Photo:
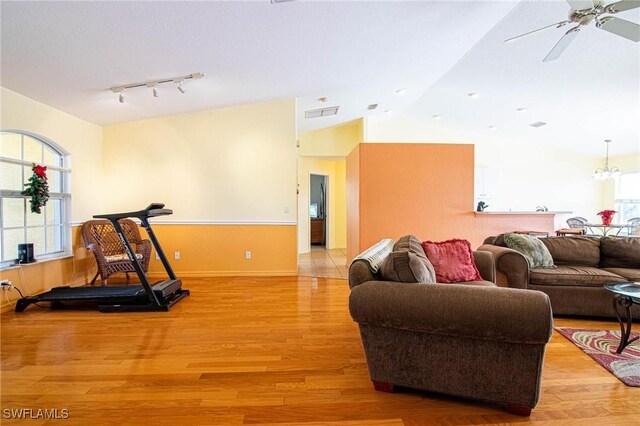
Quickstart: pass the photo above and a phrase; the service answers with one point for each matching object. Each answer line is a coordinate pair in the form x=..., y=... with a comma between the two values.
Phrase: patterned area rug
x=601, y=346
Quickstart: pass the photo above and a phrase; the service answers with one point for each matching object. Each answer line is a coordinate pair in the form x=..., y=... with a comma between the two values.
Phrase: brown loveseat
x=473, y=340
x=583, y=266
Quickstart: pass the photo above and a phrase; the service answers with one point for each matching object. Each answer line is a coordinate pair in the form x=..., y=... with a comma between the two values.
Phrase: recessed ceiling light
x=538, y=124
x=473, y=95
x=493, y=127
x=372, y=106
x=521, y=109
x=388, y=111
x=437, y=117
x=323, y=99
x=401, y=91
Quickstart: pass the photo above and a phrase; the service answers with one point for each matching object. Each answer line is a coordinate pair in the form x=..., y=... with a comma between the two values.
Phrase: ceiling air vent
x=538, y=124
x=372, y=106
x=322, y=112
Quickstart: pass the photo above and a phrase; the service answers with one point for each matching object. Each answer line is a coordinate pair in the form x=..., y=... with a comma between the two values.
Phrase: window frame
x=618, y=201
x=64, y=168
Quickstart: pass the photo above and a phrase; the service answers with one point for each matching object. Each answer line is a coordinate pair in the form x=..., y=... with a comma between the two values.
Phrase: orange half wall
x=420, y=189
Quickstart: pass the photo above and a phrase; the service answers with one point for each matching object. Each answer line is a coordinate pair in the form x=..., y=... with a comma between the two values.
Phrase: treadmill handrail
x=152, y=210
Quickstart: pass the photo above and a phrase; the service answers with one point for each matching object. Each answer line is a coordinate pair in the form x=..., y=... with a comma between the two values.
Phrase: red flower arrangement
x=607, y=216
x=37, y=188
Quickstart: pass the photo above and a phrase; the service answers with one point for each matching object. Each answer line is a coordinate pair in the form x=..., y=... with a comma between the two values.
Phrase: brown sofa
x=473, y=340
x=583, y=265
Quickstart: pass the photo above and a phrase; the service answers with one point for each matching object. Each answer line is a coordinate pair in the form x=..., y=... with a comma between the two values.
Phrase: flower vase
x=607, y=220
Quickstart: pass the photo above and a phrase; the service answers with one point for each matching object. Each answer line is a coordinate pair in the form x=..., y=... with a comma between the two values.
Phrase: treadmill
x=145, y=297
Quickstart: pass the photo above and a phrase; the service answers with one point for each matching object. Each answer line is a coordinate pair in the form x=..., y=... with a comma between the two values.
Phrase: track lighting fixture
x=153, y=85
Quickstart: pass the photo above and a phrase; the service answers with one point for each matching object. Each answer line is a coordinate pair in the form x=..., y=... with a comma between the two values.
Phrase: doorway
x=318, y=217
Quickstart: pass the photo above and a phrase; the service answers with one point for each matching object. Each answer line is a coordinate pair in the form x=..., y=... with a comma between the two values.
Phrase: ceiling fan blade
x=562, y=44
x=557, y=25
x=580, y=4
x=621, y=6
x=622, y=27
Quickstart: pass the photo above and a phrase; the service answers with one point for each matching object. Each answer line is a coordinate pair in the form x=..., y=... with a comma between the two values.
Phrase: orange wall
x=219, y=250
x=205, y=250
x=420, y=189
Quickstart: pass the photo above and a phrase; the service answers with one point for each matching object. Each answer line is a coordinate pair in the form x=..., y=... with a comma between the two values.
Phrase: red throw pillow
x=452, y=260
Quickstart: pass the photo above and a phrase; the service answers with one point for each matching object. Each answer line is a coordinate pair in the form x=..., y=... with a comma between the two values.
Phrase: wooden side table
x=317, y=231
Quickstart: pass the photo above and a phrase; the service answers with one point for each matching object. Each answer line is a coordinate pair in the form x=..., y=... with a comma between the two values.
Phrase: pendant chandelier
x=605, y=172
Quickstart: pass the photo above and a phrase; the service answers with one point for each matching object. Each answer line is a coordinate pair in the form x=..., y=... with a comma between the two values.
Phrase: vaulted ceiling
x=68, y=54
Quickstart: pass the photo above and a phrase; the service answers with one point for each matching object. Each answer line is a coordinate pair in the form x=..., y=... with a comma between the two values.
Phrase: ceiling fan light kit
x=584, y=12
x=153, y=85
x=605, y=172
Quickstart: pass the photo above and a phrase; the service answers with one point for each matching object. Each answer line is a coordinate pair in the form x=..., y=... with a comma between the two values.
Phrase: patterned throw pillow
x=452, y=260
x=536, y=253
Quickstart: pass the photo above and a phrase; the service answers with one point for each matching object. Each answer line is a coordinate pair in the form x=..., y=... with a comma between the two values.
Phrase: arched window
x=49, y=231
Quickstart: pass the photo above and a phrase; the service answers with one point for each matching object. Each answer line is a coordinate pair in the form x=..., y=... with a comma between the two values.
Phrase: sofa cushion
x=581, y=276
x=407, y=267
x=619, y=252
x=413, y=267
x=452, y=261
x=631, y=274
x=531, y=248
x=582, y=251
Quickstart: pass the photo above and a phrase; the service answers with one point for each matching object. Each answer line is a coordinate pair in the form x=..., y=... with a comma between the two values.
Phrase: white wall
x=529, y=175
x=83, y=140
x=234, y=164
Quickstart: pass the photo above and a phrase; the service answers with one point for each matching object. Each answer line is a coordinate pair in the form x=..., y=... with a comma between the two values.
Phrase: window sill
x=50, y=259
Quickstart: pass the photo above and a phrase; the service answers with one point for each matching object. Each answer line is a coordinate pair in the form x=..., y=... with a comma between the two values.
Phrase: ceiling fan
x=584, y=12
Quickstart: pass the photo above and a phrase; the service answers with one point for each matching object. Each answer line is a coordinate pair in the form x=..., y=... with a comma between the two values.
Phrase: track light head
x=154, y=88
x=121, y=97
x=181, y=87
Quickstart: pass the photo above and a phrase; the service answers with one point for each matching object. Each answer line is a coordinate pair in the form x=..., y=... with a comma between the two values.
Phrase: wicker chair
x=101, y=239
x=579, y=223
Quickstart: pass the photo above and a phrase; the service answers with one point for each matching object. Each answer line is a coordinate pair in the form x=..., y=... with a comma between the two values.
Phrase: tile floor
x=323, y=263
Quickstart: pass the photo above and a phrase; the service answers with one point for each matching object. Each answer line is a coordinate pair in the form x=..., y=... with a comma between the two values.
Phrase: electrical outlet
x=157, y=256
x=247, y=254
x=176, y=255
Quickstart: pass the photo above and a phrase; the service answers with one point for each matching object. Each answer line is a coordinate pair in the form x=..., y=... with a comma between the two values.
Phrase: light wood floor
x=258, y=351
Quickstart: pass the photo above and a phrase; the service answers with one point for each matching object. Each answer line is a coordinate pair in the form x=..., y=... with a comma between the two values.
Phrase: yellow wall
x=80, y=138
x=229, y=175
x=232, y=164
x=332, y=141
x=324, y=152
x=336, y=201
